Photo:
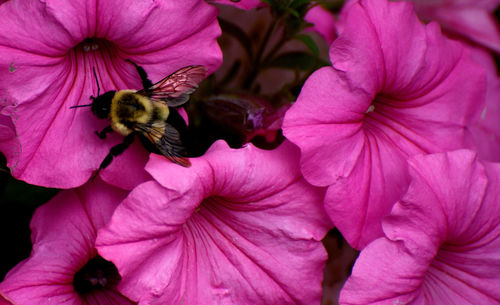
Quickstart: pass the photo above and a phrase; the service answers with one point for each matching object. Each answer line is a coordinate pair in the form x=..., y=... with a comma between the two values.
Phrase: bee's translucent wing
x=166, y=139
x=175, y=89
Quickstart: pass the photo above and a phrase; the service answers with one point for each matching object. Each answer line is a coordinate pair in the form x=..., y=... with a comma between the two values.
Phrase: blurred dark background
x=18, y=201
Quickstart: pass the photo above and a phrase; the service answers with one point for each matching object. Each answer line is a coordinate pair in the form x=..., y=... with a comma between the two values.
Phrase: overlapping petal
x=469, y=19
x=484, y=132
x=323, y=23
x=238, y=227
x=4, y=301
x=396, y=88
x=63, y=235
x=9, y=145
x=6, y=128
x=441, y=240
x=47, y=52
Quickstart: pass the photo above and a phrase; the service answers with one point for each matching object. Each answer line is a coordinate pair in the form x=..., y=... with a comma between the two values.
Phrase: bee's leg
x=146, y=83
x=116, y=151
x=102, y=133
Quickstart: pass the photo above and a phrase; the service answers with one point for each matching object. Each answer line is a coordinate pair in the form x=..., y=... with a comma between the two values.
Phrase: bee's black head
x=101, y=105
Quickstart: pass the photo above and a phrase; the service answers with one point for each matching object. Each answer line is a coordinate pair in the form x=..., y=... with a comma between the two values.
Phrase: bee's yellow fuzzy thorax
x=127, y=108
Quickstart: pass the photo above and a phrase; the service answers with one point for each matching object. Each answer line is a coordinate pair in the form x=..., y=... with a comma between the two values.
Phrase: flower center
x=92, y=44
x=375, y=114
x=98, y=273
x=100, y=55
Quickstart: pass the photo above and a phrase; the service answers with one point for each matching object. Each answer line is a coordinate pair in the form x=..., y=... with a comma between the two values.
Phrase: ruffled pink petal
x=473, y=20
x=490, y=5
x=486, y=4
x=323, y=23
x=442, y=239
x=46, y=74
x=63, y=235
x=326, y=127
x=484, y=132
x=396, y=88
x=238, y=226
x=243, y=4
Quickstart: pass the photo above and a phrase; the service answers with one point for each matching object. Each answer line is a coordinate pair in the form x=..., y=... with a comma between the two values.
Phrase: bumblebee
x=148, y=113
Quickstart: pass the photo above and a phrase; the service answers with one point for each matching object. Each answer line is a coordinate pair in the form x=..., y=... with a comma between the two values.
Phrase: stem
x=229, y=76
x=257, y=60
x=275, y=49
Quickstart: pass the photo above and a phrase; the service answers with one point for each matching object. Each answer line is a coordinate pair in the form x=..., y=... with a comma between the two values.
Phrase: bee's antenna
x=77, y=106
x=98, y=88
x=98, y=91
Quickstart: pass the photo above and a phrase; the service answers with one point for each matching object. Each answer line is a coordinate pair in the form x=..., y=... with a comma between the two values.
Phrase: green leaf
x=294, y=61
x=294, y=12
x=309, y=42
x=299, y=3
x=293, y=23
x=235, y=31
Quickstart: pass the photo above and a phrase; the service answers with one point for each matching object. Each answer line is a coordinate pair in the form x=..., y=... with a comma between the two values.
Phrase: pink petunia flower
x=442, y=240
x=64, y=266
x=47, y=52
x=238, y=227
x=470, y=19
x=396, y=88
